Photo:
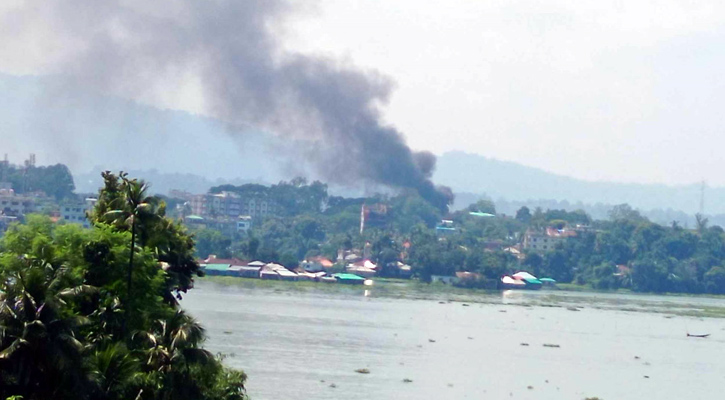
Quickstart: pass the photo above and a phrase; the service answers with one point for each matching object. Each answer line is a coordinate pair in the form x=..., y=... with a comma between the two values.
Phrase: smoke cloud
x=227, y=53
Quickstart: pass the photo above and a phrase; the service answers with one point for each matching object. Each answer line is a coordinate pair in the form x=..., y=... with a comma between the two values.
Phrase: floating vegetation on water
x=362, y=371
x=406, y=380
x=432, y=340
x=228, y=332
x=530, y=387
x=524, y=344
x=551, y=345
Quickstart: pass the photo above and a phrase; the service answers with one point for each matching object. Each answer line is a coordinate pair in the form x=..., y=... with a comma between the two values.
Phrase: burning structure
x=373, y=215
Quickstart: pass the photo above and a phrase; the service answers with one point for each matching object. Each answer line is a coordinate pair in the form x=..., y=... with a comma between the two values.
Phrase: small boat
x=700, y=336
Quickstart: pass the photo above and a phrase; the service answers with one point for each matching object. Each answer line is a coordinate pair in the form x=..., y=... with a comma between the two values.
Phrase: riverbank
x=572, y=297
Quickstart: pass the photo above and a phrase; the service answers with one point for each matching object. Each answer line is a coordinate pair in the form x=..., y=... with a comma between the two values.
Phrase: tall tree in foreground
x=133, y=209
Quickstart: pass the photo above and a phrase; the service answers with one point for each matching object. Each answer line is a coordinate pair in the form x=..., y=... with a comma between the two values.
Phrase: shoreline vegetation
x=568, y=296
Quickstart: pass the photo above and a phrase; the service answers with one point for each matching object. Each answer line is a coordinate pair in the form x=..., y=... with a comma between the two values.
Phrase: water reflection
x=511, y=296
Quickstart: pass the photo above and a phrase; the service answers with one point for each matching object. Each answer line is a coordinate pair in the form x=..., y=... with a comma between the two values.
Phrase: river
x=308, y=346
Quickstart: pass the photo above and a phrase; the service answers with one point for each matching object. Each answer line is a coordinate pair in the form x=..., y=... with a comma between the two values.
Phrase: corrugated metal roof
x=286, y=272
x=349, y=277
x=217, y=267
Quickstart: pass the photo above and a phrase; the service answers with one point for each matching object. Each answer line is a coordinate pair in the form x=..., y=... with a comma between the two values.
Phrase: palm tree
x=40, y=354
x=114, y=372
x=133, y=209
x=171, y=349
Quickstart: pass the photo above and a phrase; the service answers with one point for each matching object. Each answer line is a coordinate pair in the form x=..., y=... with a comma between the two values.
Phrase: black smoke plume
x=141, y=49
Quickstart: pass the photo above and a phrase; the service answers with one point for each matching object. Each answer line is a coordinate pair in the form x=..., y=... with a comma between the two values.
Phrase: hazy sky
x=622, y=91
x=614, y=90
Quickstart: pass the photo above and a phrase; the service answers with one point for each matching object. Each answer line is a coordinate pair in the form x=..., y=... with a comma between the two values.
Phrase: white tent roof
x=523, y=275
x=511, y=281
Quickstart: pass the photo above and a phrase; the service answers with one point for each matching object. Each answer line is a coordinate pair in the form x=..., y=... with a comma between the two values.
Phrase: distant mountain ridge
x=159, y=182
x=476, y=174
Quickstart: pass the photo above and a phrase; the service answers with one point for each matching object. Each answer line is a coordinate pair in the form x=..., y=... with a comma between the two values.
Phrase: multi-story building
x=231, y=205
x=547, y=239
x=15, y=205
x=76, y=212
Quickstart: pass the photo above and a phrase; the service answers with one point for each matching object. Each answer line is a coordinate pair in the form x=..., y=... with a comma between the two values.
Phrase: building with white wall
x=76, y=212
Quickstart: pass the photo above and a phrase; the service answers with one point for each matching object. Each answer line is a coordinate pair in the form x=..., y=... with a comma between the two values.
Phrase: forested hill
x=471, y=173
x=54, y=180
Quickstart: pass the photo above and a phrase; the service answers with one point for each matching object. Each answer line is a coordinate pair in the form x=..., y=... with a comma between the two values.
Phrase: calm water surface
x=299, y=345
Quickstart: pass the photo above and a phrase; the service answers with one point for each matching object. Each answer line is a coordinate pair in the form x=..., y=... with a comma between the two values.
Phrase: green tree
x=715, y=280
x=625, y=212
x=211, y=241
x=484, y=206
x=523, y=214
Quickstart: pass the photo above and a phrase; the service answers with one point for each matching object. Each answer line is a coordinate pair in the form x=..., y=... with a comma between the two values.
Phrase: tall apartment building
x=231, y=205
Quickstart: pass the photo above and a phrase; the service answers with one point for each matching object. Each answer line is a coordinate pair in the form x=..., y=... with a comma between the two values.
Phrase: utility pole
x=702, y=198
